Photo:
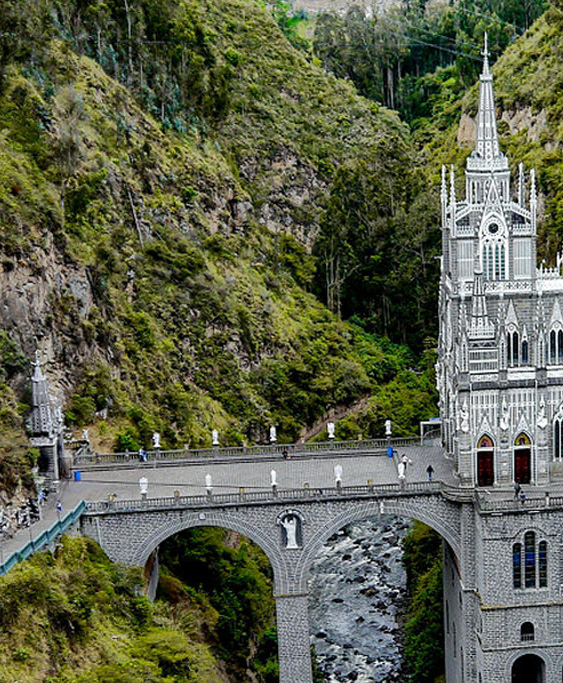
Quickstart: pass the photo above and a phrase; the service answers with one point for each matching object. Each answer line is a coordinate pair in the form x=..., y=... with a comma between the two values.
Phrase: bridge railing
x=44, y=539
x=316, y=448
x=264, y=496
x=533, y=501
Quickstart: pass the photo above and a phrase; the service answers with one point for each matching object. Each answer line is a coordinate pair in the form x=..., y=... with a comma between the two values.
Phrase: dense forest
x=217, y=216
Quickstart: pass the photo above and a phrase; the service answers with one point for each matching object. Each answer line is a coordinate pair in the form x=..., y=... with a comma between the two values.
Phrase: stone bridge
x=316, y=492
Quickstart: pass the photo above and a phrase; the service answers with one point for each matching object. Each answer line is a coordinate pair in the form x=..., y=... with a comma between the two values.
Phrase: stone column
x=294, y=649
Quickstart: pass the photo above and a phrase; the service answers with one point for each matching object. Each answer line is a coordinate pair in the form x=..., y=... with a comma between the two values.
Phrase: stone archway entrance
x=528, y=669
x=485, y=462
x=522, y=459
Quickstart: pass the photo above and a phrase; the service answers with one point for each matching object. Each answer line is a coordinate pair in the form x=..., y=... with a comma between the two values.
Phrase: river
x=357, y=598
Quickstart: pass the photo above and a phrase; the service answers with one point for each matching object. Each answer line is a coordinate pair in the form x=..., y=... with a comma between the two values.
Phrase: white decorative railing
x=266, y=496
x=301, y=450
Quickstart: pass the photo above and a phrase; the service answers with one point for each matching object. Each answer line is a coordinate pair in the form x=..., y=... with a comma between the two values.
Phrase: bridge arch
x=441, y=515
x=268, y=542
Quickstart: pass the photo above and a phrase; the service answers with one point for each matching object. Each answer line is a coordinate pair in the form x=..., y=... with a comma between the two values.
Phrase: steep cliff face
x=158, y=205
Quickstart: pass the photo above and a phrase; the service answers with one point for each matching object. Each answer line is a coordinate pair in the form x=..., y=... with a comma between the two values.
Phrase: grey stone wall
x=294, y=650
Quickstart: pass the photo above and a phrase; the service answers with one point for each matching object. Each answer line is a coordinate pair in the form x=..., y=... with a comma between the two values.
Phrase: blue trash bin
x=77, y=475
x=390, y=451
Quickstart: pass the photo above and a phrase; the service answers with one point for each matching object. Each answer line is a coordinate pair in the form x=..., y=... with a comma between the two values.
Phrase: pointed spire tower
x=487, y=163
x=46, y=427
x=42, y=423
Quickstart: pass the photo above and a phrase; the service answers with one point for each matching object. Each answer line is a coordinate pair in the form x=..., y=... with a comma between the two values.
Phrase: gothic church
x=500, y=365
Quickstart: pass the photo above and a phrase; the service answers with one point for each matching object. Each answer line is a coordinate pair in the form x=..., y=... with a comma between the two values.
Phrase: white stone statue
x=156, y=440
x=86, y=436
x=215, y=437
x=542, y=419
x=330, y=430
x=402, y=469
x=289, y=523
x=387, y=427
x=338, y=473
x=505, y=416
x=464, y=414
x=273, y=435
x=273, y=478
x=208, y=483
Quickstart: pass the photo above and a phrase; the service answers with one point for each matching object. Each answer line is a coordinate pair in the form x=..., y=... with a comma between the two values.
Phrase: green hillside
x=162, y=178
x=90, y=625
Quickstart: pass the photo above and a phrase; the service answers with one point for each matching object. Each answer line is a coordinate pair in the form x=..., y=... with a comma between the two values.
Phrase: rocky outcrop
x=287, y=192
x=525, y=119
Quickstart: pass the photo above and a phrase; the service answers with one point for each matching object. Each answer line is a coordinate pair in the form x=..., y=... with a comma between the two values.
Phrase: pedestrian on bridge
x=430, y=472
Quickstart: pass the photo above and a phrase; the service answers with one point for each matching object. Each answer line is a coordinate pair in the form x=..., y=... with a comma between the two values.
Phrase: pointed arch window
x=513, y=347
x=556, y=345
x=542, y=563
x=529, y=559
x=517, y=565
x=493, y=258
x=525, y=352
x=558, y=435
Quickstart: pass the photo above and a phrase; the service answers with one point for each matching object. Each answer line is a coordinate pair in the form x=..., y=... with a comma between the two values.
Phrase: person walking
x=430, y=472
x=517, y=489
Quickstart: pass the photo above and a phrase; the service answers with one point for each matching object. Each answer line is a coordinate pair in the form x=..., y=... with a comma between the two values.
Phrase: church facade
x=500, y=366
x=500, y=380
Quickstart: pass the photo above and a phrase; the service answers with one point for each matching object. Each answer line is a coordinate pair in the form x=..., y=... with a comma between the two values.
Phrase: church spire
x=487, y=147
x=42, y=424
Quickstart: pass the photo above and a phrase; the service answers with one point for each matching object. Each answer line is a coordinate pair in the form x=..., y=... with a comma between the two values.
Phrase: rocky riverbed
x=357, y=588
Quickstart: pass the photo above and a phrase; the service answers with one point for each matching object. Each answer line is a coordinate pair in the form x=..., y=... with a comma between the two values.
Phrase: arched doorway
x=528, y=669
x=522, y=459
x=485, y=461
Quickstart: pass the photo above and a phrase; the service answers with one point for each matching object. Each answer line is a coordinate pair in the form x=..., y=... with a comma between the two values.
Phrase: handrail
x=264, y=496
x=275, y=450
x=44, y=539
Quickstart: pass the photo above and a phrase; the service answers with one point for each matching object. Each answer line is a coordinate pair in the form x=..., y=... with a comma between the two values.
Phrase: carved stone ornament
x=464, y=418
x=542, y=419
x=505, y=416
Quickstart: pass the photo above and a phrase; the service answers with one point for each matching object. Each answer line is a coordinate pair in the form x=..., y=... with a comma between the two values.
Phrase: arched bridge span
x=290, y=527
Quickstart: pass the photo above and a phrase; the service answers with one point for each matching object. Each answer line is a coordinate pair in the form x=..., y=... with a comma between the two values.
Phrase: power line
x=437, y=35
x=492, y=17
x=438, y=47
